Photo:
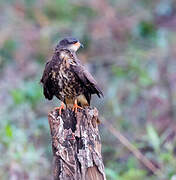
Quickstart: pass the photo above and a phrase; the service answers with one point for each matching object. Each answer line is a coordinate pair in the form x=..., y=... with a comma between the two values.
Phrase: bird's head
x=71, y=44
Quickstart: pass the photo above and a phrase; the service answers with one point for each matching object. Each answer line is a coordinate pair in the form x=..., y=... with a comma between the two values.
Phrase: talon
x=76, y=107
x=60, y=108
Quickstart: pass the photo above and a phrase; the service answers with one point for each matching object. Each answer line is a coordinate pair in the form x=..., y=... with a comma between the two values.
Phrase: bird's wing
x=87, y=79
x=45, y=73
x=46, y=81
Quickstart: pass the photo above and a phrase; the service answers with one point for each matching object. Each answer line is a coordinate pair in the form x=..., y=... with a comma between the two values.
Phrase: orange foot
x=60, y=108
x=76, y=107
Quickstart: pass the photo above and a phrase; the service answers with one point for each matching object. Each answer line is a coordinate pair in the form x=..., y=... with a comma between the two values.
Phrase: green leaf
x=145, y=79
x=33, y=92
x=166, y=157
x=131, y=162
x=18, y=96
x=9, y=131
x=147, y=29
x=111, y=174
x=120, y=72
x=133, y=174
x=153, y=137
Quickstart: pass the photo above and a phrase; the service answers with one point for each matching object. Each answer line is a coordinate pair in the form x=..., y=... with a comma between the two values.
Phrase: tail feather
x=47, y=93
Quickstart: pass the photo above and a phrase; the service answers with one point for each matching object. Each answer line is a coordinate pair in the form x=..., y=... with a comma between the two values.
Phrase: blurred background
x=130, y=48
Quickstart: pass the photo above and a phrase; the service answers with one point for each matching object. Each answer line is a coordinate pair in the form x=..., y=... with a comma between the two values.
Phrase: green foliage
x=7, y=51
x=84, y=11
x=30, y=92
x=134, y=70
x=6, y=134
x=18, y=96
x=111, y=174
x=63, y=10
x=166, y=157
x=127, y=52
x=132, y=163
x=133, y=174
x=147, y=29
x=59, y=9
x=9, y=131
x=153, y=137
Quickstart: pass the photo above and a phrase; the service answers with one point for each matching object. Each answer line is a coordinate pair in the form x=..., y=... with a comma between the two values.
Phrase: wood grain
x=76, y=145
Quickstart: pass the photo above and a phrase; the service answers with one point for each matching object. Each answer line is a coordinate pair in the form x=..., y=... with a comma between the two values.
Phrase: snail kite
x=67, y=79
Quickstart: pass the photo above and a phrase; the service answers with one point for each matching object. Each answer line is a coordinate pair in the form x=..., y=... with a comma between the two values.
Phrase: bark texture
x=76, y=145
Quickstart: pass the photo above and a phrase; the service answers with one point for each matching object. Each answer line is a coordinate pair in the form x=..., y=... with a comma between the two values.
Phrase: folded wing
x=46, y=81
x=90, y=84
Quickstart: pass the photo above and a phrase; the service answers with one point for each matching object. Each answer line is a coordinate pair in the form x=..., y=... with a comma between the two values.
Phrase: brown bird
x=67, y=79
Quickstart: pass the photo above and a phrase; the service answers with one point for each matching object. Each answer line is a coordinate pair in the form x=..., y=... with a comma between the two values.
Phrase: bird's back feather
x=89, y=83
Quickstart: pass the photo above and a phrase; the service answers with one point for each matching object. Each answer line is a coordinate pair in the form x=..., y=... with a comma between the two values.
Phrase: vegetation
x=130, y=49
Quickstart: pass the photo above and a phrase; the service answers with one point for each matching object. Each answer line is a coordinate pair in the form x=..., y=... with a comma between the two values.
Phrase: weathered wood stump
x=76, y=145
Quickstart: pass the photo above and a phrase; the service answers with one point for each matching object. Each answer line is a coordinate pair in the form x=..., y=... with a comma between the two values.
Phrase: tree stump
x=76, y=145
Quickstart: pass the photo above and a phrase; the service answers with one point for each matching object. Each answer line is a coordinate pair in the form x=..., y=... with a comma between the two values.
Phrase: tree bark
x=76, y=145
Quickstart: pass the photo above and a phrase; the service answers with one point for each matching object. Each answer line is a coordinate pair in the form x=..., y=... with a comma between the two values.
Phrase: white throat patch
x=74, y=47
